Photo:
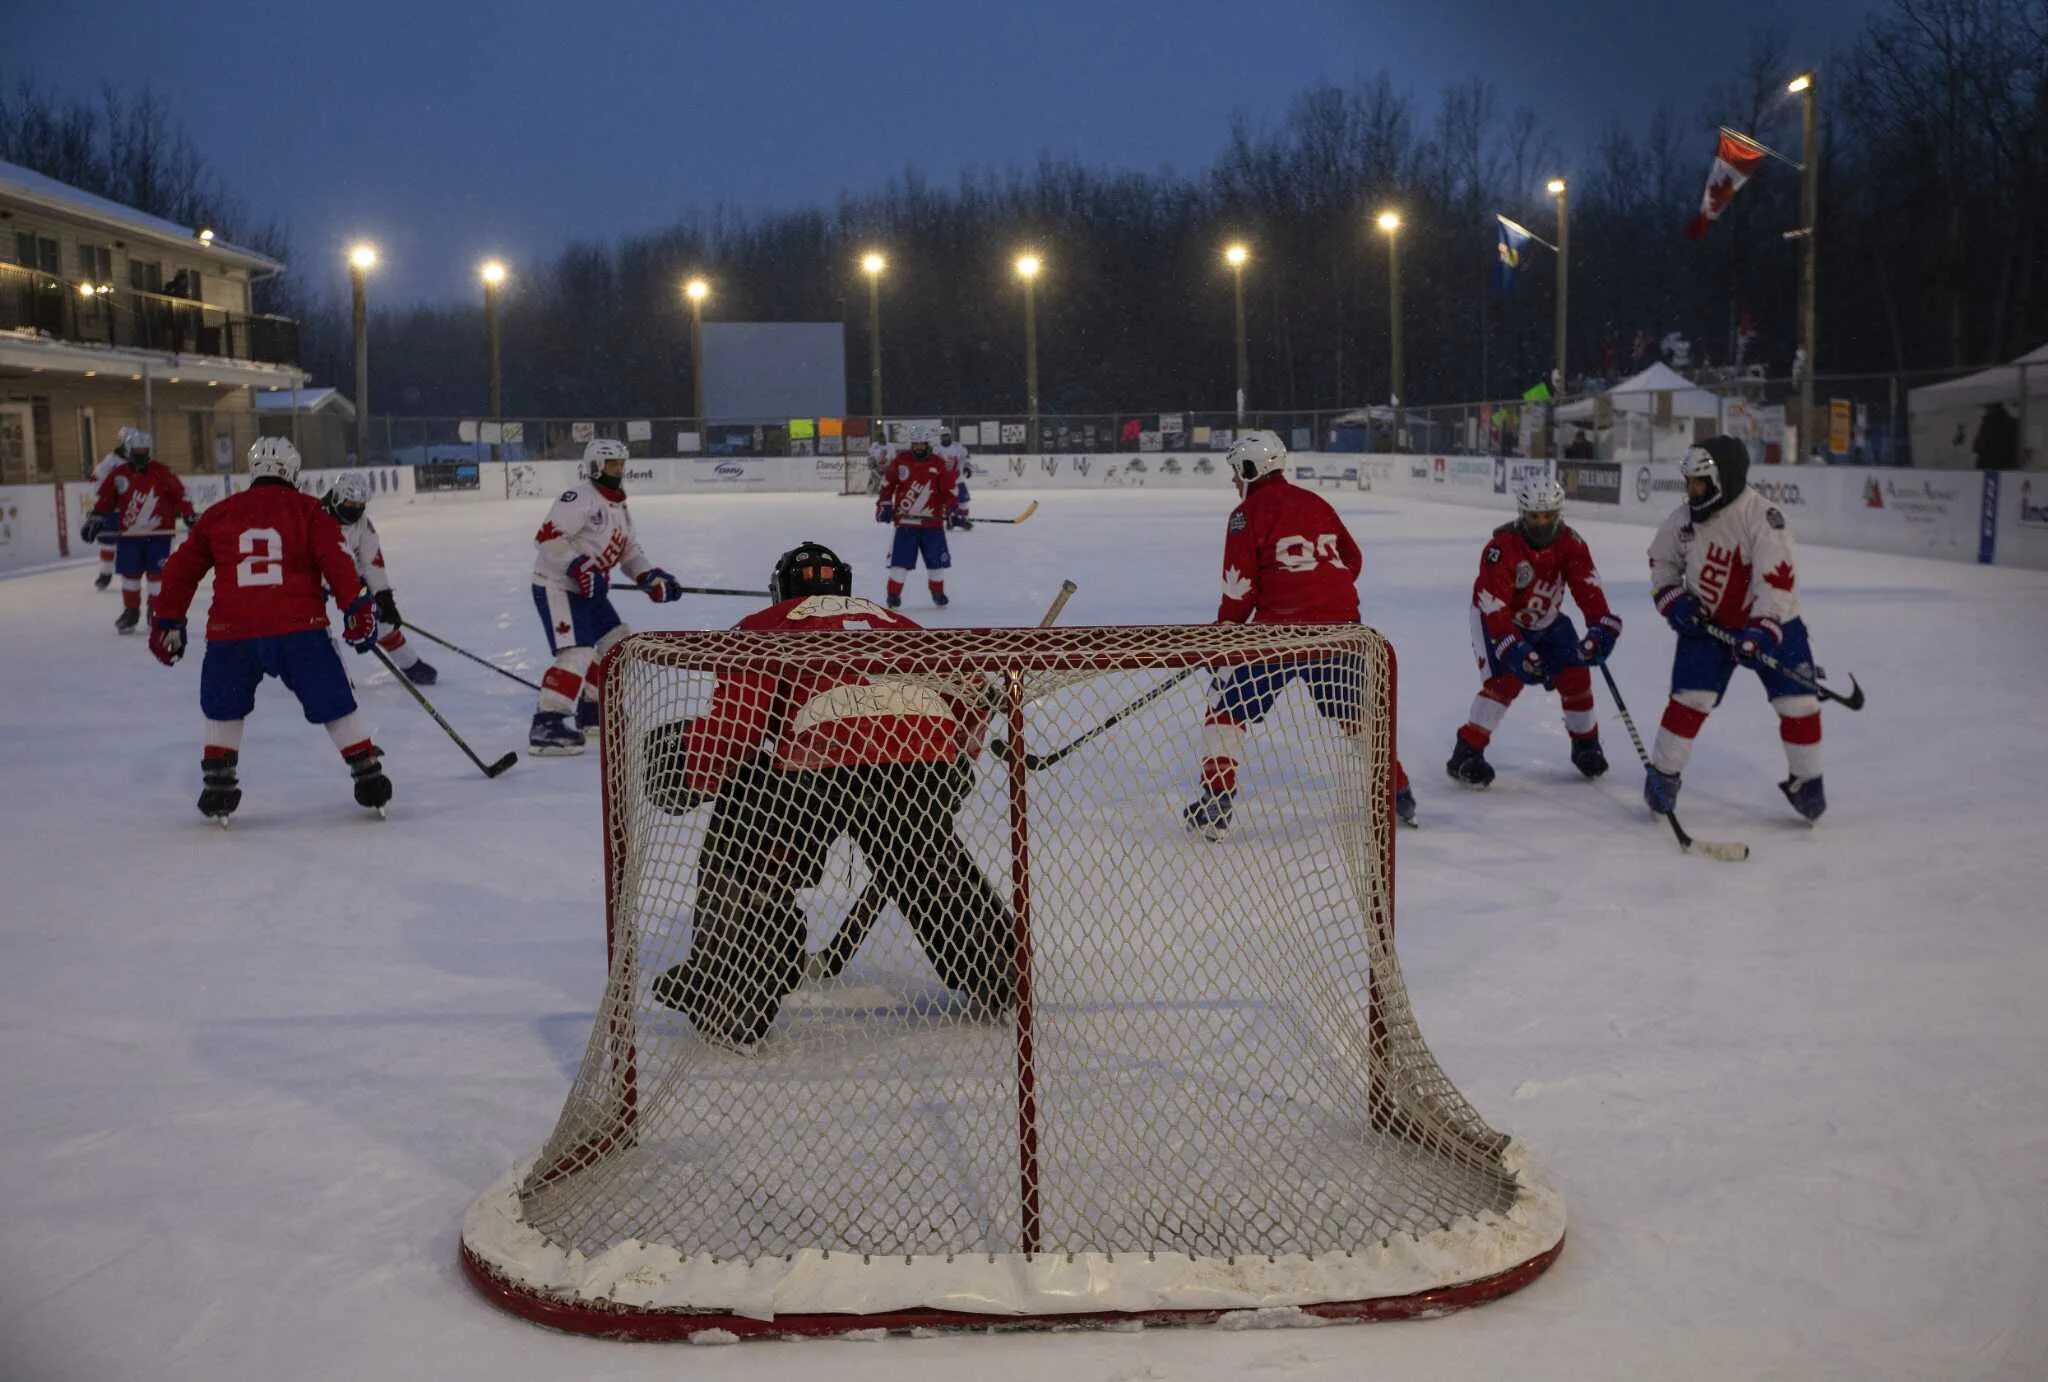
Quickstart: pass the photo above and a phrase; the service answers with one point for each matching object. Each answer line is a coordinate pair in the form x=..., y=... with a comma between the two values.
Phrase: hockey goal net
x=1000, y=1039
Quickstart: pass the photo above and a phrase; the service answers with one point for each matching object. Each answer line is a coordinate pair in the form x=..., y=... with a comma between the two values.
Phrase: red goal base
x=621, y=1322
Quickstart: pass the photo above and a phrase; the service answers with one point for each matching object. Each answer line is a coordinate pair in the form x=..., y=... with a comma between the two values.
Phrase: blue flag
x=1508, y=246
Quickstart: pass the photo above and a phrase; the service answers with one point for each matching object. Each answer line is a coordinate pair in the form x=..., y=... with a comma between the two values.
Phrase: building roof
x=37, y=189
x=307, y=401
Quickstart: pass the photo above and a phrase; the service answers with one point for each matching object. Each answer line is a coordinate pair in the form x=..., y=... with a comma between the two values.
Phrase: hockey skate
x=1468, y=764
x=221, y=792
x=588, y=715
x=1806, y=796
x=679, y=987
x=552, y=736
x=373, y=789
x=102, y=581
x=1404, y=807
x=1209, y=814
x=939, y=599
x=1660, y=791
x=127, y=620
x=1588, y=757
x=421, y=673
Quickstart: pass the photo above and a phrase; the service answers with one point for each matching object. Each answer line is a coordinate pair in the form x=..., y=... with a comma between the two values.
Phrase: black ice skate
x=1587, y=756
x=127, y=621
x=552, y=736
x=1208, y=815
x=1468, y=764
x=373, y=789
x=1806, y=796
x=222, y=791
x=421, y=673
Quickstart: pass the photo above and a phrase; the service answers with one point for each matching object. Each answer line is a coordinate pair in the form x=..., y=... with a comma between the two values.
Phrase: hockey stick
x=1029, y=510
x=1726, y=852
x=480, y=661
x=1852, y=701
x=826, y=964
x=1036, y=761
x=692, y=590
x=490, y=770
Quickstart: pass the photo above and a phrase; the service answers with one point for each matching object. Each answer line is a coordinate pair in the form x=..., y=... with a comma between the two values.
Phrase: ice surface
x=1797, y=1108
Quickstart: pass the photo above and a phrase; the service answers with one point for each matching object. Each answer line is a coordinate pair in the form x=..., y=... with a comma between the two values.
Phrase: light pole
x=1028, y=267
x=492, y=272
x=362, y=257
x=1806, y=86
x=1389, y=222
x=1560, y=189
x=696, y=290
x=1235, y=255
x=872, y=264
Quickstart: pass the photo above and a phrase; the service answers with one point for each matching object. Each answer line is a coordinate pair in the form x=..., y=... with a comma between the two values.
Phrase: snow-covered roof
x=2000, y=383
x=308, y=401
x=38, y=189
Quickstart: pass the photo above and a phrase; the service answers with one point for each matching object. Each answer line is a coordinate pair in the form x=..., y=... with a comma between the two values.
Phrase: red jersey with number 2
x=269, y=547
x=1288, y=559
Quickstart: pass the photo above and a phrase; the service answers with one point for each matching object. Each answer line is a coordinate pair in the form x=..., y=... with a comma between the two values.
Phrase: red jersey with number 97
x=269, y=548
x=1288, y=559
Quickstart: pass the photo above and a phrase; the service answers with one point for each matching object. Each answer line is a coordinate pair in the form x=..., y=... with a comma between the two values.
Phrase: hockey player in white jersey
x=587, y=535
x=127, y=442
x=962, y=468
x=348, y=501
x=1724, y=557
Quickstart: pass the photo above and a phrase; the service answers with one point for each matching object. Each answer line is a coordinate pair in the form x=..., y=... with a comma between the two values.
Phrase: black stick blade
x=503, y=763
x=1854, y=700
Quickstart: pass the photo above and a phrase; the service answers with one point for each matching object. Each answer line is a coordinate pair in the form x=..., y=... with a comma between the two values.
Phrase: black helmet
x=1723, y=463
x=811, y=568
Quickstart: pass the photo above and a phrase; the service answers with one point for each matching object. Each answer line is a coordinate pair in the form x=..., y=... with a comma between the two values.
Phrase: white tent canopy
x=1999, y=384
x=1638, y=394
x=1944, y=417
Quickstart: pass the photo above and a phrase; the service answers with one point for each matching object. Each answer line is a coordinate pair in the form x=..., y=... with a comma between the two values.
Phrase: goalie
x=887, y=760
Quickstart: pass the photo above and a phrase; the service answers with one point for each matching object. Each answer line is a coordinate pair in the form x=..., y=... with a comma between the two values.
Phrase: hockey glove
x=359, y=623
x=885, y=512
x=1598, y=643
x=167, y=640
x=588, y=578
x=1763, y=636
x=1516, y=654
x=659, y=585
x=387, y=610
x=98, y=525
x=1680, y=610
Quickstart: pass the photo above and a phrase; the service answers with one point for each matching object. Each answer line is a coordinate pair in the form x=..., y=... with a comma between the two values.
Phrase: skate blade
x=552, y=752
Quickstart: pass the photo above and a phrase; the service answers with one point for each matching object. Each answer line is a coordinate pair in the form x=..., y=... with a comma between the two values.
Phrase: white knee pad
x=1702, y=701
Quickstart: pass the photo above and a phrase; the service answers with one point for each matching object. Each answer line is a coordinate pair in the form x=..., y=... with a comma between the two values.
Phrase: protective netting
x=914, y=1002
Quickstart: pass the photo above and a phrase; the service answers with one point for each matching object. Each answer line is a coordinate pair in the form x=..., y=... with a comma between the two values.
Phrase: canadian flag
x=1734, y=163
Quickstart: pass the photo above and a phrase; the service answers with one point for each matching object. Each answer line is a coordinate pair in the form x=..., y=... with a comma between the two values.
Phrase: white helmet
x=597, y=453
x=347, y=496
x=1256, y=455
x=274, y=458
x=945, y=436
x=923, y=432
x=1539, y=509
x=136, y=441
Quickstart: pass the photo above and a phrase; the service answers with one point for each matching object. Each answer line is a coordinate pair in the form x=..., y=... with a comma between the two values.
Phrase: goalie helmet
x=347, y=497
x=1539, y=510
x=811, y=568
x=600, y=453
x=1722, y=463
x=274, y=458
x=1256, y=455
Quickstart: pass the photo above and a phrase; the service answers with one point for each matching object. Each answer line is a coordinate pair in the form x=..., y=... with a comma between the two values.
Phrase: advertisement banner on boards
x=1591, y=482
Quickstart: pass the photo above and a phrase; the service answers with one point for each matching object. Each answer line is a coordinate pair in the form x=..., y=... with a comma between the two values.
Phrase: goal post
x=1084, y=1065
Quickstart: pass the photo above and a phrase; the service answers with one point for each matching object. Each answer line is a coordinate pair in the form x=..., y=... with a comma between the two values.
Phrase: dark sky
x=447, y=131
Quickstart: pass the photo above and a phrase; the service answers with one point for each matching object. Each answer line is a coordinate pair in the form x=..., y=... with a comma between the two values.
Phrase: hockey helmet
x=1255, y=456
x=1539, y=510
x=810, y=568
x=922, y=435
x=274, y=458
x=601, y=453
x=138, y=445
x=347, y=497
x=1715, y=471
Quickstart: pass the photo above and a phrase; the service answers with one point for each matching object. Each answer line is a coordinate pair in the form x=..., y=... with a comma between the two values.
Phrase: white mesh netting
x=909, y=1009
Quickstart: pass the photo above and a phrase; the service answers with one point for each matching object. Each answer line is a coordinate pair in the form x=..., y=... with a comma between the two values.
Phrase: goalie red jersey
x=1521, y=586
x=270, y=547
x=827, y=719
x=1288, y=559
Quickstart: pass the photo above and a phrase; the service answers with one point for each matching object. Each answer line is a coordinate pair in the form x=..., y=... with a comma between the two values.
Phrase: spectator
x=1581, y=447
x=1998, y=439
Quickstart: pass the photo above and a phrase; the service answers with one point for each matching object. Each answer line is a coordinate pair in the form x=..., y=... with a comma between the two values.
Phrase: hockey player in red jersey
x=1724, y=557
x=1287, y=559
x=797, y=758
x=270, y=549
x=1522, y=637
x=917, y=494
x=138, y=505
x=347, y=501
x=128, y=442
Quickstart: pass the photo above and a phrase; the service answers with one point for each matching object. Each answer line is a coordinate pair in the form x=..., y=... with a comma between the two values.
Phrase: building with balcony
x=110, y=317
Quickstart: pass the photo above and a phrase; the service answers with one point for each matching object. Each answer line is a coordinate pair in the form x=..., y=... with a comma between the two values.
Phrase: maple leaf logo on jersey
x=1235, y=584
x=1781, y=577
x=548, y=532
x=562, y=627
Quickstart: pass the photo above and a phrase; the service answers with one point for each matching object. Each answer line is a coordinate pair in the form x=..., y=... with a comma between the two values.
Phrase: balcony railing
x=65, y=309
